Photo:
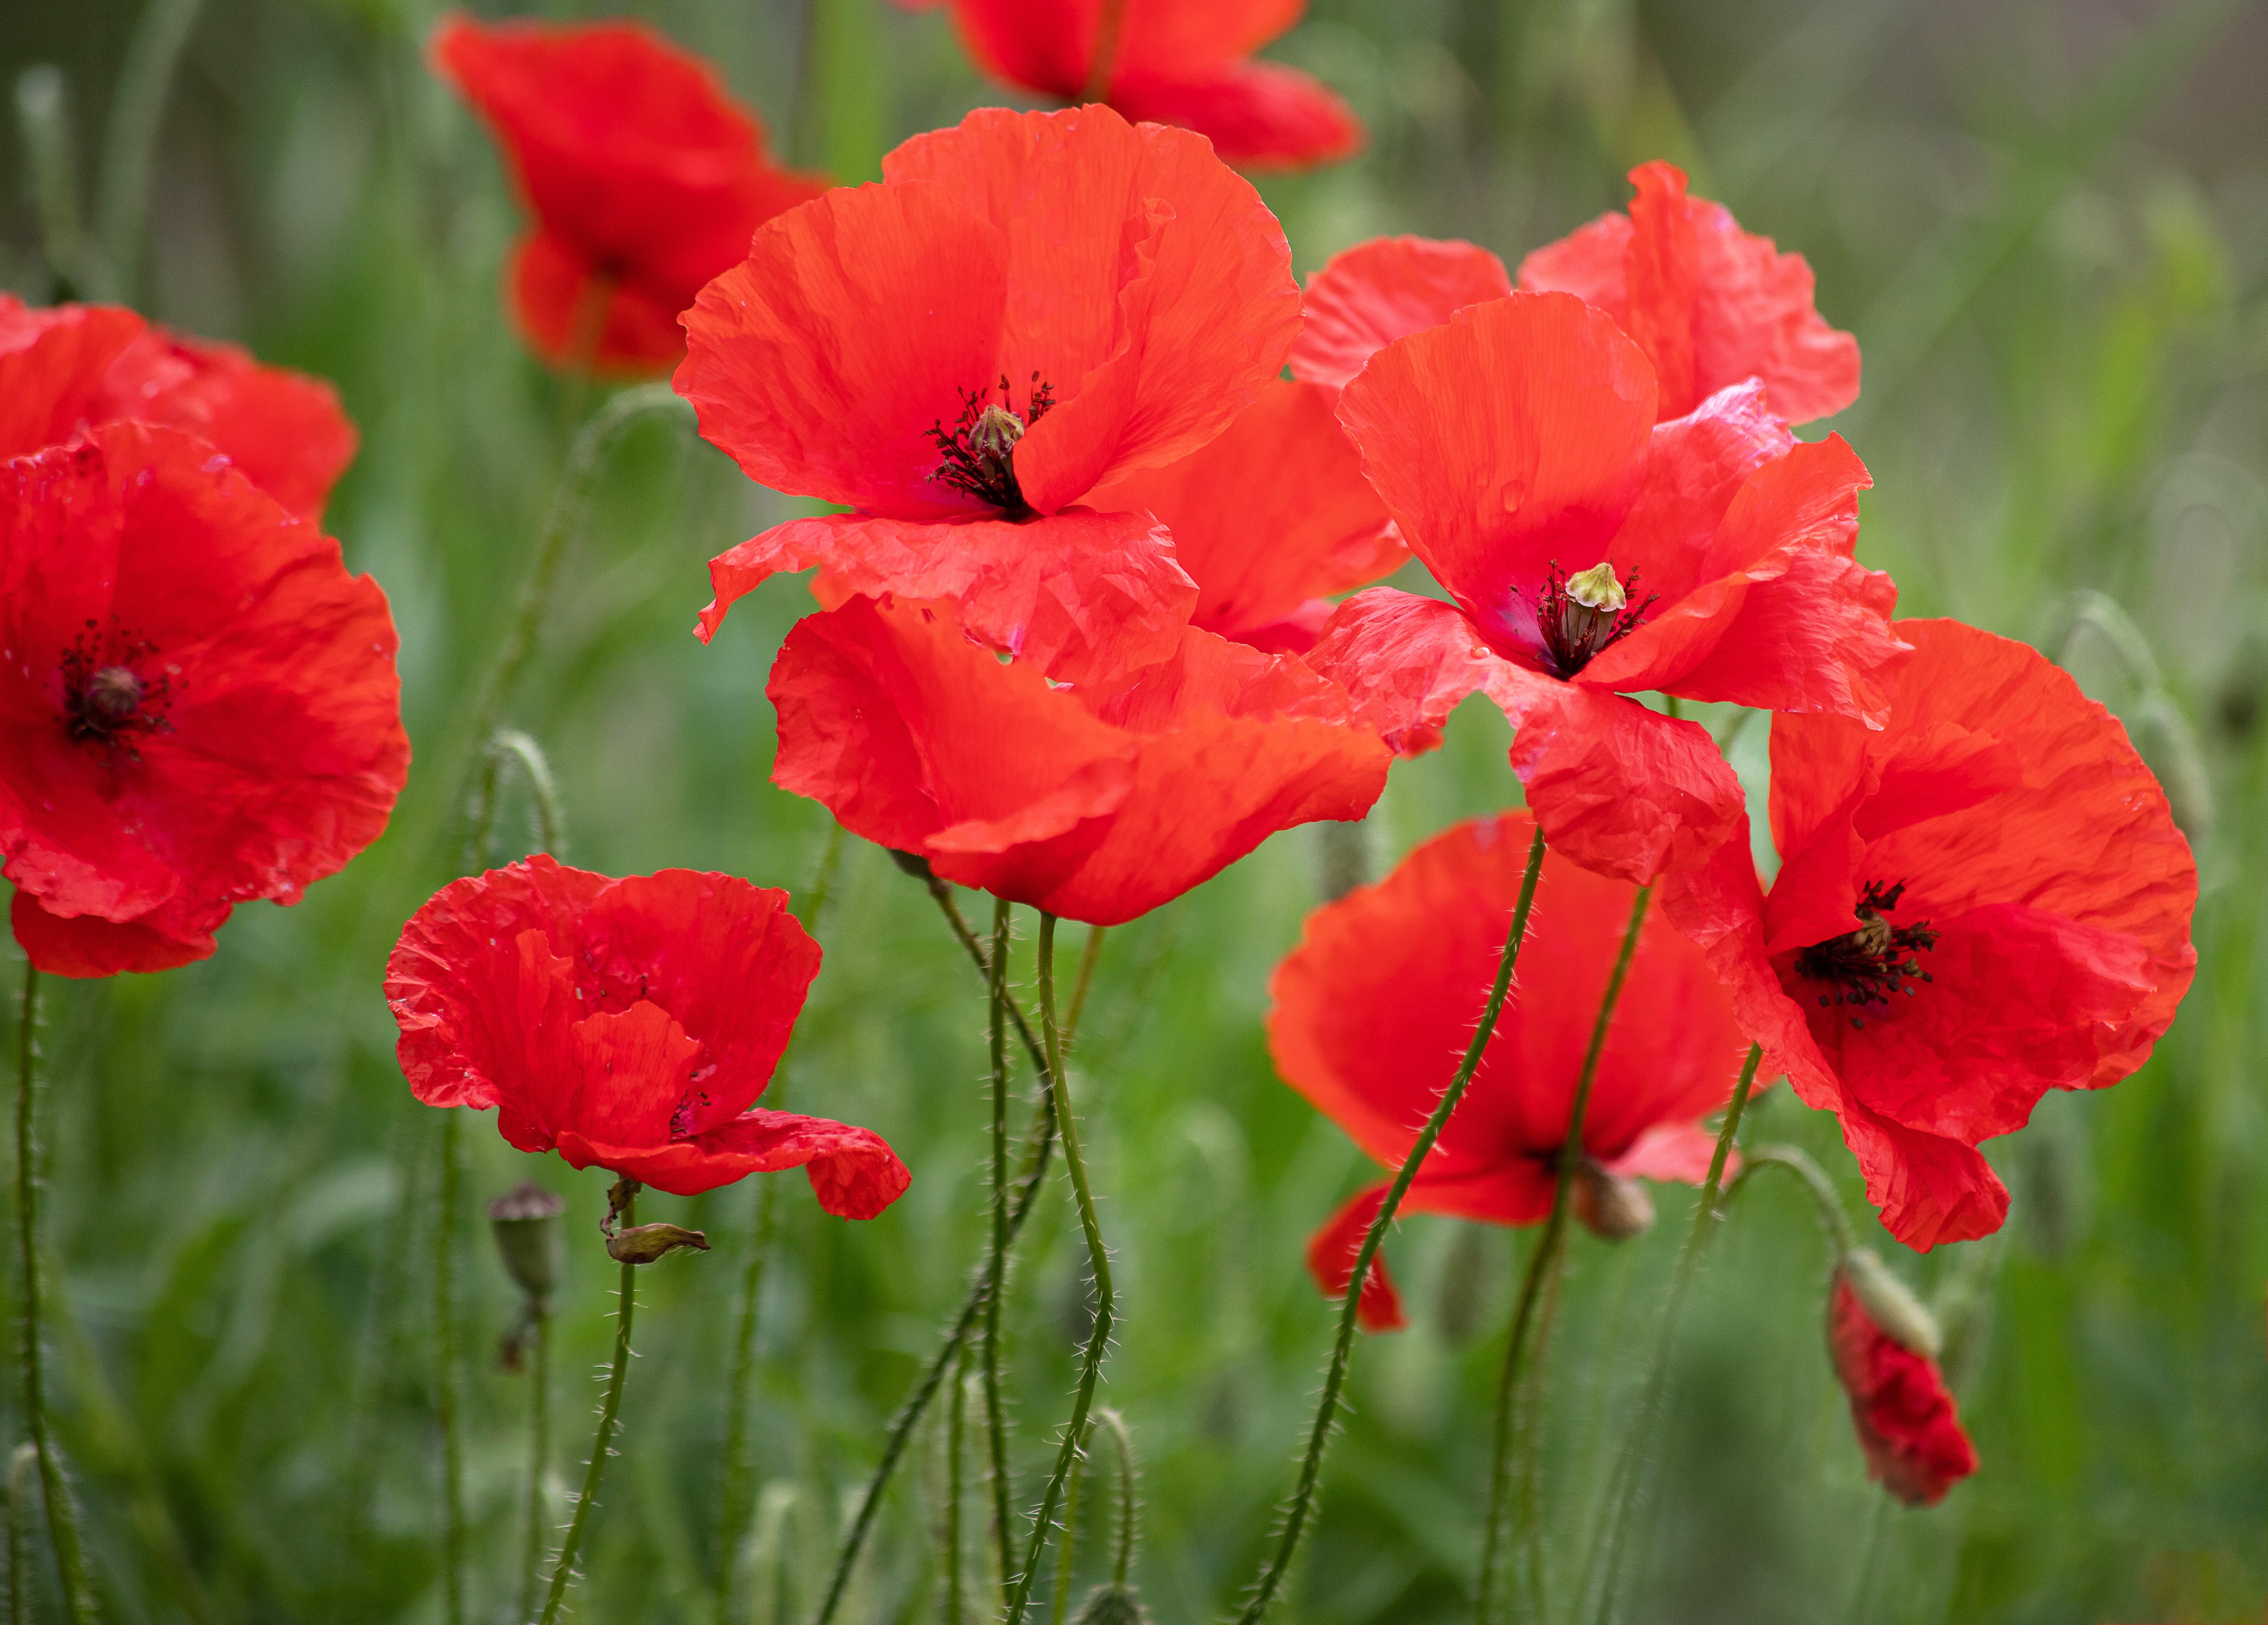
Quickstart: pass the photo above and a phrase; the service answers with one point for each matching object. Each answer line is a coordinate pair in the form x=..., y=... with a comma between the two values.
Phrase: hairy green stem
x=22, y=1465
x=1319, y=1434
x=446, y=1200
x=1088, y=958
x=509, y=747
x=539, y=1456
x=1106, y=1299
x=563, y=1570
x=1121, y=1562
x=955, y=1416
x=1550, y=1247
x=996, y=1263
x=1067, y=1549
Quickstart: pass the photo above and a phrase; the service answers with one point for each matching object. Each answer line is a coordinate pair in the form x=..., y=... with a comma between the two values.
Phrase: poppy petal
x=852, y=1172
x=87, y=945
x=1262, y=114
x=52, y=366
x=1369, y=296
x=1408, y=661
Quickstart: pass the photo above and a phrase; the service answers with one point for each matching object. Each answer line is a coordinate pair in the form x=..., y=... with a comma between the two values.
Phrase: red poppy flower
x=1907, y=1422
x=1983, y=901
x=1177, y=62
x=630, y=1024
x=1128, y=292
x=1374, y=1009
x=646, y=179
x=1271, y=518
x=1097, y=802
x=198, y=705
x=1710, y=304
x=63, y=368
x=1366, y=296
x=1592, y=554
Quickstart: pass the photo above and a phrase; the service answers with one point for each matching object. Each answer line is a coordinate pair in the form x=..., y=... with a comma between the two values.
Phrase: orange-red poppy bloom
x=1374, y=1009
x=1177, y=62
x=1097, y=801
x=1592, y=554
x=1710, y=304
x=1906, y=1420
x=630, y=1024
x=64, y=368
x=1028, y=306
x=644, y=175
x=198, y=704
x=1984, y=900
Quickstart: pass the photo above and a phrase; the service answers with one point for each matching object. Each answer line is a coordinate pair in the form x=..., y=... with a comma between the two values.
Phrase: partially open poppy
x=1028, y=306
x=1984, y=900
x=1906, y=1420
x=645, y=177
x=630, y=1024
x=1375, y=1007
x=1096, y=802
x=71, y=366
x=198, y=704
x=1176, y=62
x=1592, y=554
x=1710, y=304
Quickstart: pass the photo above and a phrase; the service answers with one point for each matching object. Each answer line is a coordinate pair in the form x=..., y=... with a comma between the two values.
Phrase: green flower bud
x=525, y=1221
x=1891, y=1304
x=1113, y=1604
x=1611, y=1208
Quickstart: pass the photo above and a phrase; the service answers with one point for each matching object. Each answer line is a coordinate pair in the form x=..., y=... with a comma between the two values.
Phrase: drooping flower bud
x=1905, y=1417
x=1113, y=1604
x=913, y=862
x=1596, y=588
x=1611, y=1208
x=647, y=1244
x=525, y=1221
x=1891, y=1304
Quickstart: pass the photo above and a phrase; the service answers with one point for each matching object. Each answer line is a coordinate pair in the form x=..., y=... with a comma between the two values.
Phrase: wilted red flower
x=1984, y=900
x=1374, y=1009
x=1096, y=802
x=1177, y=62
x=627, y=1023
x=1907, y=1422
x=1271, y=518
x=1592, y=554
x=198, y=705
x=1710, y=304
x=1030, y=306
x=646, y=179
x=64, y=368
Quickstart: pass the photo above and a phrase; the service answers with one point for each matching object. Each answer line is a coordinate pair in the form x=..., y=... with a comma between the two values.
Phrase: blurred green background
x=2047, y=220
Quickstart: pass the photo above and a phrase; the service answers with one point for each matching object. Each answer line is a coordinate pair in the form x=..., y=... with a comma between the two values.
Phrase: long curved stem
x=539, y=1456
x=1623, y=1488
x=609, y=1409
x=1106, y=1299
x=735, y=1502
x=447, y=1201
x=996, y=1263
x=137, y=112
x=1550, y=1247
x=1319, y=1434
x=63, y=1522
x=1540, y=1259
x=956, y=1411
x=1122, y=1557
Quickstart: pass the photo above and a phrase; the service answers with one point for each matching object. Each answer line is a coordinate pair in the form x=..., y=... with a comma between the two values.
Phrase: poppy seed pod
x=1891, y=1304
x=526, y=1220
x=649, y=1243
x=1612, y=1208
x=1113, y=1604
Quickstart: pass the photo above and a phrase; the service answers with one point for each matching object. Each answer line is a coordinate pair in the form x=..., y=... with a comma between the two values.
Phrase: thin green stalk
x=1624, y=1486
x=1549, y=1246
x=1121, y=1560
x=21, y=1466
x=996, y=1263
x=1795, y=1160
x=1088, y=958
x=1319, y=1434
x=1107, y=27
x=137, y=112
x=539, y=1457
x=1067, y=1549
x=737, y=1500
x=1540, y=1258
x=609, y=1409
x=1106, y=1300
x=62, y=1521
x=956, y=1413
x=511, y=745
x=822, y=882
x=447, y=1201
x=942, y=894
x=51, y=167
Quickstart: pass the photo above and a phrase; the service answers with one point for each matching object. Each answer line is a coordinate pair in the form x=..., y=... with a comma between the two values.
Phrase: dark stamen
x=105, y=697
x=1868, y=965
x=979, y=450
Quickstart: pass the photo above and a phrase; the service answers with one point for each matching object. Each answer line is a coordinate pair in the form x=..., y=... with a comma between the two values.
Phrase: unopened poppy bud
x=645, y=1244
x=1611, y=1208
x=1596, y=588
x=1890, y=1304
x=1113, y=1604
x=913, y=862
x=525, y=1221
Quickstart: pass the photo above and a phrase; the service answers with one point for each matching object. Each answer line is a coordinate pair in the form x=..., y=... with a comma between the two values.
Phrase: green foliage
x=2049, y=240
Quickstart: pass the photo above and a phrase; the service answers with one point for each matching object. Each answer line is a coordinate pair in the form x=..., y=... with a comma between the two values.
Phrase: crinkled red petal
x=1369, y=296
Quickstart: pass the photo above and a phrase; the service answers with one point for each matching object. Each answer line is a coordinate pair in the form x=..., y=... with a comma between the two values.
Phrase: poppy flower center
x=1868, y=965
x=104, y=696
x=1580, y=615
x=978, y=452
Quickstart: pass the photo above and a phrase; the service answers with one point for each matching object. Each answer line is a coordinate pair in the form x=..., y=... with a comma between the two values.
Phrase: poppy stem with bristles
x=1319, y=1435
x=539, y=1456
x=996, y=1263
x=562, y=1571
x=1544, y=1271
x=1106, y=1301
x=63, y=1522
x=445, y=1372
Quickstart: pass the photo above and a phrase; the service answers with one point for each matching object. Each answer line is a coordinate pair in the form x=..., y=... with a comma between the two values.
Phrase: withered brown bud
x=1611, y=1208
x=644, y=1244
x=527, y=1224
x=1113, y=1604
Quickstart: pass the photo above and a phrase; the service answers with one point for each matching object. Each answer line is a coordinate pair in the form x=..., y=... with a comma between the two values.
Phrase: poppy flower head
x=1984, y=900
x=644, y=175
x=1098, y=801
x=1027, y=305
x=1905, y=1417
x=630, y=1024
x=1372, y=1009
x=1711, y=306
x=198, y=705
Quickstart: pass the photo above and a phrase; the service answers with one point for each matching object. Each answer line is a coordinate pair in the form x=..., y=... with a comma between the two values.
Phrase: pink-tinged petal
x=1387, y=289
x=1333, y=1249
x=1680, y=1151
x=1261, y=115
x=1080, y=595
x=1408, y=661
